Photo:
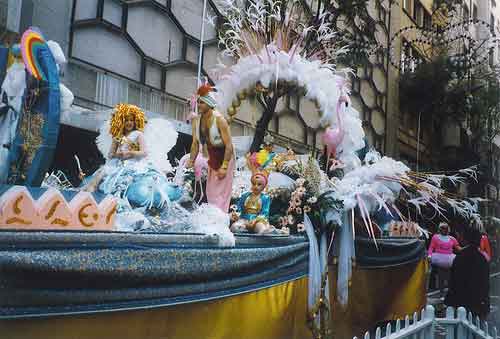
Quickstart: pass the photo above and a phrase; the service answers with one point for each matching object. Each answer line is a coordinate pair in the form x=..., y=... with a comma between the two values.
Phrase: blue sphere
x=152, y=192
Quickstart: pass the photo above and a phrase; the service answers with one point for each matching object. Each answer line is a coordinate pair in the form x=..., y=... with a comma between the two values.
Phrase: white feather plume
x=160, y=137
x=104, y=139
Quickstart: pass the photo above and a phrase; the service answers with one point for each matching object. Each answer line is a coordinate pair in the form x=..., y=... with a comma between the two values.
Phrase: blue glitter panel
x=44, y=273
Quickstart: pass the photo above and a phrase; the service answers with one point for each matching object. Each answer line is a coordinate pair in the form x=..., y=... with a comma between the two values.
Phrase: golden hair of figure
x=122, y=111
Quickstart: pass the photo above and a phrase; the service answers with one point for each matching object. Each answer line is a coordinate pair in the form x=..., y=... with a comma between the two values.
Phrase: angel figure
x=136, y=161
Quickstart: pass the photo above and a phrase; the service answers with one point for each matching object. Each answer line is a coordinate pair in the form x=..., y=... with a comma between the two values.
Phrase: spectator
x=441, y=254
x=469, y=278
x=441, y=248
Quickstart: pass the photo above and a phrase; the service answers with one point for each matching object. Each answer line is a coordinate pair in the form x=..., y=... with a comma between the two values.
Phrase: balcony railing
x=96, y=90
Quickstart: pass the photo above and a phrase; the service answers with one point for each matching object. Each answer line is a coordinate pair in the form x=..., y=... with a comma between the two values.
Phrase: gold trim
x=82, y=216
x=16, y=220
x=52, y=210
x=15, y=207
x=110, y=214
x=58, y=221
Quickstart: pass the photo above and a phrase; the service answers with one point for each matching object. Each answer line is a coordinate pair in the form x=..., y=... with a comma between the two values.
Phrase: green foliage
x=321, y=206
x=189, y=181
x=325, y=205
x=279, y=205
x=435, y=89
x=450, y=4
x=442, y=91
x=483, y=108
x=355, y=27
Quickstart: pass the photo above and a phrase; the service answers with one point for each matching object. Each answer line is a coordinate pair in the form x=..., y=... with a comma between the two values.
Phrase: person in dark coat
x=469, y=277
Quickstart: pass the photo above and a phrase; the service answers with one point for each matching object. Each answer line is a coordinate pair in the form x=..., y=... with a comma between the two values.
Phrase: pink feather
x=200, y=163
x=333, y=136
x=192, y=103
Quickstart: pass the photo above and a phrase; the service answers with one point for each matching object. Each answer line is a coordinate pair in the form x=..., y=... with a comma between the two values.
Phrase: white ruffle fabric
x=317, y=266
x=442, y=260
x=344, y=243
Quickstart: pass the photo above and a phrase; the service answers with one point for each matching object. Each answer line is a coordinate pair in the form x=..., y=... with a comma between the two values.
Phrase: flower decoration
x=307, y=196
x=301, y=228
x=297, y=206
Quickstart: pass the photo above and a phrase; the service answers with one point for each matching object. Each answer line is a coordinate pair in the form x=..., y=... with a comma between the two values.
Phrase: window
x=474, y=12
x=492, y=23
x=466, y=13
x=410, y=58
x=407, y=5
x=427, y=20
x=405, y=56
x=418, y=13
x=421, y=16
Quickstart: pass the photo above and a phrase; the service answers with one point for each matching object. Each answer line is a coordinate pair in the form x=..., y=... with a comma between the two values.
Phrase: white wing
x=104, y=139
x=160, y=136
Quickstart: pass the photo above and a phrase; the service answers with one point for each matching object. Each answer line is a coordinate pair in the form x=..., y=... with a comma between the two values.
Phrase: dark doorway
x=76, y=141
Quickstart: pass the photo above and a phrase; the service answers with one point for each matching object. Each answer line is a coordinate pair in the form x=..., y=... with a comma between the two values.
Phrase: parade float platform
x=95, y=284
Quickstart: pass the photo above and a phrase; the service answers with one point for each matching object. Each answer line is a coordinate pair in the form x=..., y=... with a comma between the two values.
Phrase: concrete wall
x=15, y=16
x=189, y=13
x=108, y=50
x=53, y=17
x=155, y=33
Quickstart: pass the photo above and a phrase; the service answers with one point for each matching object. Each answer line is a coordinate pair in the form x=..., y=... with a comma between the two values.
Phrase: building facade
x=146, y=53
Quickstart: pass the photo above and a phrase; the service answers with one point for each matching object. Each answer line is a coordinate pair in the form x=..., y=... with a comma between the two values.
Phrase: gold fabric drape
x=274, y=312
x=378, y=295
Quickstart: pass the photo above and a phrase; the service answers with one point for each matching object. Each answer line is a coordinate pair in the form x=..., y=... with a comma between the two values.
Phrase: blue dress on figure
x=251, y=211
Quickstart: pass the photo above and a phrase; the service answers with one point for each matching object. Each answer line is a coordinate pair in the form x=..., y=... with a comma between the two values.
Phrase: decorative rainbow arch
x=32, y=42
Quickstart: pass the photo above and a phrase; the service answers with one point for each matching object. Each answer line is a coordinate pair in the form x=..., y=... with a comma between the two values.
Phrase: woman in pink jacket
x=442, y=246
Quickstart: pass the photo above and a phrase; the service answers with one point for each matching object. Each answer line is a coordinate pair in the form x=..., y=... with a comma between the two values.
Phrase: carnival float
x=133, y=252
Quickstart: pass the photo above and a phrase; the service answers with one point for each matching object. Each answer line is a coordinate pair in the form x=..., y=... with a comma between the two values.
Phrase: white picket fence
x=457, y=324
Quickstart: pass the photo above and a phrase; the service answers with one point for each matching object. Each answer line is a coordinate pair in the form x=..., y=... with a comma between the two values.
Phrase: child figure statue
x=252, y=210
